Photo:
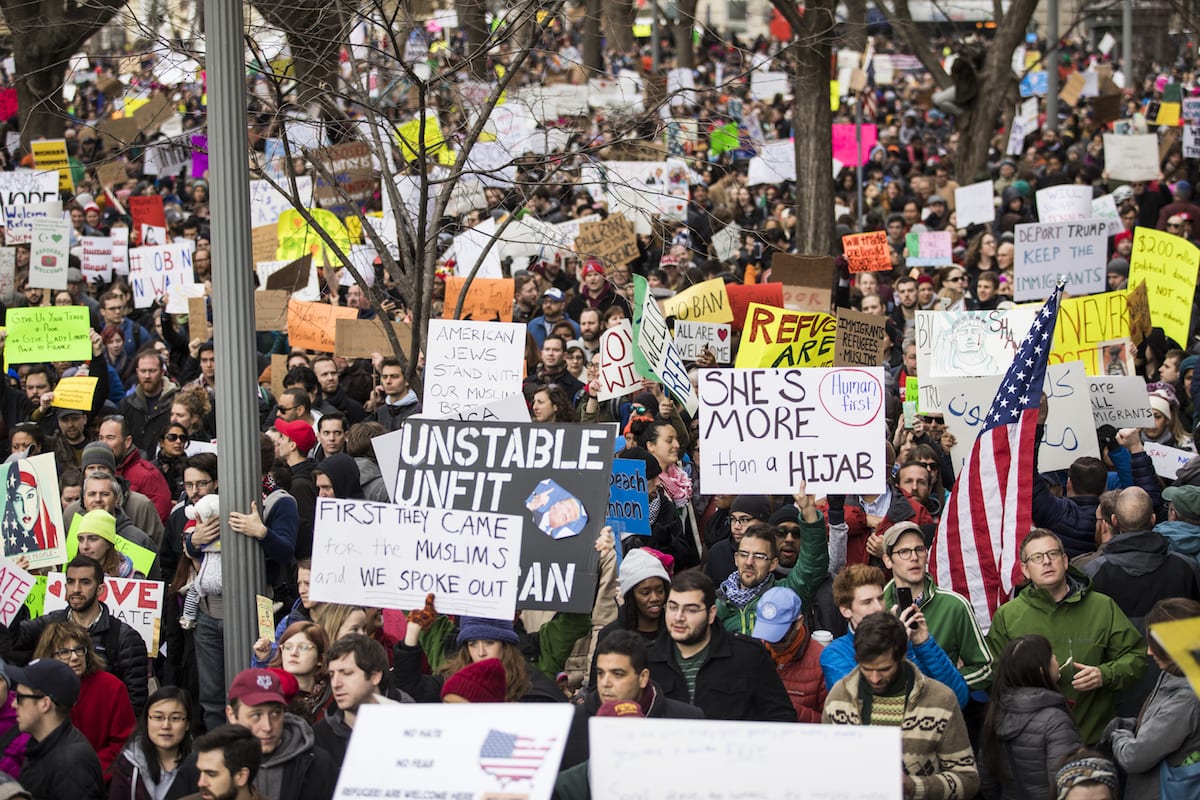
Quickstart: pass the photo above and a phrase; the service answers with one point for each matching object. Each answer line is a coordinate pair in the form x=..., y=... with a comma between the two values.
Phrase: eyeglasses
x=22, y=696
x=175, y=437
x=761, y=558
x=174, y=719
x=298, y=647
x=190, y=485
x=67, y=652
x=910, y=552
x=741, y=519
x=1041, y=558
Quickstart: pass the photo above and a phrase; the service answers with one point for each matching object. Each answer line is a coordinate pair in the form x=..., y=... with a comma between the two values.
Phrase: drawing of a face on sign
x=556, y=512
x=32, y=516
x=966, y=351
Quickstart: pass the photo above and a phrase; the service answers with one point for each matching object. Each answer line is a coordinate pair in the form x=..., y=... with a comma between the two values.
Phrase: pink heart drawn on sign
x=722, y=333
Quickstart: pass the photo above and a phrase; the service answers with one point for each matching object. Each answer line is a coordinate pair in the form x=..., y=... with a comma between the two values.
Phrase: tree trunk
x=856, y=25
x=472, y=16
x=39, y=91
x=593, y=44
x=618, y=24
x=681, y=34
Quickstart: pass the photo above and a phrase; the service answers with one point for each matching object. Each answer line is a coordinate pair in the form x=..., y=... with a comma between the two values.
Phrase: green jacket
x=1087, y=626
x=811, y=570
x=952, y=622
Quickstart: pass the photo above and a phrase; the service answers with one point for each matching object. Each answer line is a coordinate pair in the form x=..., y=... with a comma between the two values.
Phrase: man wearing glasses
x=1099, y=651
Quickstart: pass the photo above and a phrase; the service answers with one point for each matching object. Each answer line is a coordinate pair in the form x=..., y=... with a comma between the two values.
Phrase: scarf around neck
x=740, y=596
x=676, y=484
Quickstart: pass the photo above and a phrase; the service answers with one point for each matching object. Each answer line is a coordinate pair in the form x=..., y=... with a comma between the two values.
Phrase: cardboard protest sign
x=264, y=608
x=973, y=204
x=807, y=281
x=270, y=311
x=701, y=302
x=1064, y=203
x=776, y=337
x=18, y=220
x=692, y=337
x=1120, y=401
x=97, y=259
x=472, y=750
x=1070, y=433
x=741, y=296
x=153, y=271
x=360, y=338
x=390, y=556
x=15, y=586
x=181, y=294
x=471, y=363
x=1138, y=301
x=612, y=240
x=147, y=210
x=353, y=180
x=630, y=757
x=654, y=353
x=502, y=467
x=1168, y=264
x=51, y=154
x=50, y=249
x=1131, y=158
x=628, y=499
x=48, y=333
x=488, y=299
x=927, y=249
x=1167, y=460
x=135, y=601
x=77, y=391
x=291, y=276
x=868, y=252
x=618, y=373
x=965, y=344
x=1044, y=251
x=861, y=339
x=32, y=520
x=311, y=325
x=1072, y=90
x=773, y=428
x=26, y=186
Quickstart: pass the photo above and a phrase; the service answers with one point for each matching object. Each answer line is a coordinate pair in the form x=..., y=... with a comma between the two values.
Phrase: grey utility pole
x=1050, y=63
x=1127, y=42
x=233, y=325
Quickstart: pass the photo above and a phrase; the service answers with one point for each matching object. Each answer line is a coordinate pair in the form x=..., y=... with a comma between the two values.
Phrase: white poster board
x=469, y=363
x=18, y=220
x=1046, y=250
x=772, y=428
x=965, y=344
x=1131, y=158
x=49, y=251
x=618, y=375
x=1064, y=202
x=975, y=204
x=96, y=262
x=1120, y=401
x=266, y=204
x=154, y=270
x=1167, y=460
x=692, y=337
x=135, y=601
x=1105, y=207
x=25, y=186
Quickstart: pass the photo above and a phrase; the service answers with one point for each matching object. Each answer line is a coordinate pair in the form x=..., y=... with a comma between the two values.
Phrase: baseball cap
x=254, y=687
x=893, y=534
x=554, y=293
x=934, y=199
x=592, y=266
x=620, y=708
x=777, y=609
x=1186, y=499
x=299, y=432
x=49, y=676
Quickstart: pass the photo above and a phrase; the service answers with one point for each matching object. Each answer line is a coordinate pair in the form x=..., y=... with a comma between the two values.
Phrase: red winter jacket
x=104, y=715
x=146, y=478
x=903, y=508
x=804, y=681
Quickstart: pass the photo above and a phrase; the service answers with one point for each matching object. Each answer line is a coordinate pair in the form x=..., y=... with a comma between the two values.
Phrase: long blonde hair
x=517, y=680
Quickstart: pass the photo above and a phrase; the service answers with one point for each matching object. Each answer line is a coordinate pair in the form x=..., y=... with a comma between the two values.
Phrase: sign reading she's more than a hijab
x=555, y=478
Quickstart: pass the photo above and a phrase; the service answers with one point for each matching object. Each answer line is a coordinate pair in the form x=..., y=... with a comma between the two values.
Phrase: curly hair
x=196, y=401
x=57, y=635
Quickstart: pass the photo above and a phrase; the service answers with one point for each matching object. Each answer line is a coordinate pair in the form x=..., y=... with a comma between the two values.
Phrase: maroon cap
x=256, y=687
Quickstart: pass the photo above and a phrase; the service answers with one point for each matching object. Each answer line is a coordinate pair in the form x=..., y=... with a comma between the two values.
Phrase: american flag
x=511, y=757
x=990, y=508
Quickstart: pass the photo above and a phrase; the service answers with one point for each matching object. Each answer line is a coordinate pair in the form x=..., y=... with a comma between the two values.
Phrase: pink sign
x=845, y=144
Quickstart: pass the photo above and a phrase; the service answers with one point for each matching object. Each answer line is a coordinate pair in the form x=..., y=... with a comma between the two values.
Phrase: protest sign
x=776, y=337
x=775, y=163
x=777, y=427
x=1120, y=401
x=654, y=353
x=1131, y=158
x=77, y=391
x=495, y=751
x=868, y=252
x=612, y=240
x=32, y=511
x=927, y=249
x=389, y=556
x=18, y=220
x=1180, y=639
x=628, y=499
x=147, y=210
x=701, y=302
x=360, y=338
x=180, y=296
x=1191, y=141
x=289, y=276
x=1087, y=330
x=861, y=339
x=1168, y=264
x=311, y=325
x=167, y=157
x=15, y=586
x=51, y=154
x=270, y=311
x=846, y=147
x=1167, y=460
x=1070, y=433
x=618, y=373
x=470, y=363
x=25, y=186
x=135, y=601
x=488, y=299
x=48, y=333
x=120, y=249
x=8, y=275
x=1044, y=251
x=741, y=296
x=1105, y=208
x=1072, y=90
x=1138, y=302
x=264, y=607
x=502, y=467
x=350, y=180
x=965, y=344
x=973, y=204
x=154, y=270
x=692, y=337
x=807, y=282
x=153, y=236
x=97, y=260
x=631, y=759
x=199, y=156
x=267, y=203
x=1064, y=203
x=471, y=247
x=506, y=409
x=48, y=256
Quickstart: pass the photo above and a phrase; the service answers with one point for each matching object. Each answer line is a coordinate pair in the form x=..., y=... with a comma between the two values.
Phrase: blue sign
x=1035, y=83
x=628, y=499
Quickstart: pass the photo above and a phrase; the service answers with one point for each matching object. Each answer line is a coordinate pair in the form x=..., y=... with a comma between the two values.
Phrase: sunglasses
x=175, y=437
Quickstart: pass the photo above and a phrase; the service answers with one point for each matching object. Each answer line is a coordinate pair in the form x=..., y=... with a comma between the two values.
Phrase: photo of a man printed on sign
x=556, y=512
x=30, y=511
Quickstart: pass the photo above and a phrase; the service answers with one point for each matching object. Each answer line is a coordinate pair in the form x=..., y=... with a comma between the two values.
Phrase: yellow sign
x=1168, y=264
x=1181, y=639
x=52, y=154
x=410, y=135
x=703, y=302
x=298, y=239
x=75, y=392
x=775, y=337
x=142, y=558
x=266, y=617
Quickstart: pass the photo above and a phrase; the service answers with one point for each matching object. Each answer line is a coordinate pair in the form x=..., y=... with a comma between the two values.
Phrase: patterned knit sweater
x=937, y=753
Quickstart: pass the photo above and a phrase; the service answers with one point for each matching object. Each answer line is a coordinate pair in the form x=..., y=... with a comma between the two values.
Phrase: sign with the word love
x=134, y=601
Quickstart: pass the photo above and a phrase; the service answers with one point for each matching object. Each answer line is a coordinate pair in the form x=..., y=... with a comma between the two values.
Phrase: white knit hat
x=1161, y=404
x=637, y=566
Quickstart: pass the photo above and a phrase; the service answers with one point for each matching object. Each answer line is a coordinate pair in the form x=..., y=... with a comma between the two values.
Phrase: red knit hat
x=481, y=682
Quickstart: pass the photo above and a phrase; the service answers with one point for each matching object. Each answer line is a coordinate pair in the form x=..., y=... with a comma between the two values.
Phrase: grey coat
x=1170, y=729
x=1036, y=732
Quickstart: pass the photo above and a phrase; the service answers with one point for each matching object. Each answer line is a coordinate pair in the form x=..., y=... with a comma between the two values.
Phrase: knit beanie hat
x=788, y=513
x=637, y=566
x=481, y=682
x=1085, y=770
x=667, y=560
x=1163, y=399
x=98, y=453
x=472, y=629
x=755, y=505
x=99, y=523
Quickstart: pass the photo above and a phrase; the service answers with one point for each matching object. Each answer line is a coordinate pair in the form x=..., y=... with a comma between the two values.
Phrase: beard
x=693, y=637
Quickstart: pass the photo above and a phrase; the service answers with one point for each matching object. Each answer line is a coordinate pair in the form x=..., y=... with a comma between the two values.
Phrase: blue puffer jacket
x=838, y=661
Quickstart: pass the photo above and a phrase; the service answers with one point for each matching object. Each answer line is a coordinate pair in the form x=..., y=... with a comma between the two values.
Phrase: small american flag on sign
x=510, y=757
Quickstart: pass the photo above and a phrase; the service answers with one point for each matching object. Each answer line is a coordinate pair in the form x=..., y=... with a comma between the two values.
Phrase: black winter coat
x=661, y=707
x=62, y=765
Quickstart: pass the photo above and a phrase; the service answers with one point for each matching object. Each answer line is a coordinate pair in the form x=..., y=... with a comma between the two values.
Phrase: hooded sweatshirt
x=343, y=473
x=297, y=740
x=1036, y=732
